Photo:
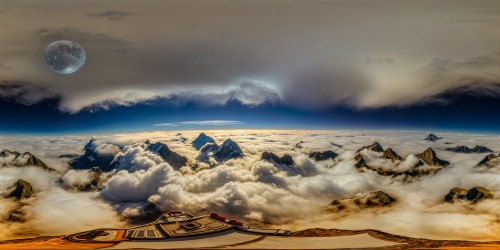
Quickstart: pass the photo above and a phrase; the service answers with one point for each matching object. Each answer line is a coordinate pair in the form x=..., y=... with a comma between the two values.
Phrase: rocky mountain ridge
x=361, y=201
x=201, y=140
x=427, y=157
x=16, y=159
x=472, y=195
x=432, y=137
x=464, y=149
x=211, y=152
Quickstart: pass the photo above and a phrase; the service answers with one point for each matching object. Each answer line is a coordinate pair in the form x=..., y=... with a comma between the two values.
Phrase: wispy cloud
x=201, y=123
x=112, y=15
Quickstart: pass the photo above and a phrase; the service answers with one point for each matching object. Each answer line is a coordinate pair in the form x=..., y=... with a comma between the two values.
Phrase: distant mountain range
x=370, y=160
x=366, y=200
x=427, y=157
x=14, y=158
x=92, y=158
x=467, y=150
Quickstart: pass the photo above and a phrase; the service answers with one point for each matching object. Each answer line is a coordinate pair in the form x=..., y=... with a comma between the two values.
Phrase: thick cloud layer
x=313, y=54
x=261, y=192
x=52, y=210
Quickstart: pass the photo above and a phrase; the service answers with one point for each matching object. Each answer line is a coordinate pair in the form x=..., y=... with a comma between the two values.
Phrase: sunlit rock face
x=391, y=155
x=456, y=194
x=430, y=158
x=490, y=160
x=361, y=201
x=21, y=190
x=14, y=158
x=472, y=195
x=417, y=165
x=376, y=147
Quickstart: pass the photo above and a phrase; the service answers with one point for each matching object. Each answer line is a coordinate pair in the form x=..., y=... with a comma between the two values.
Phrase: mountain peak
x=376, y=147
x=321, y=156
x=481, y=149
x=487, y=161
x=467, y=150
x=201, y=140
x=22, y=190
x=286, y=159
x=7, y=152
x=90, y=144
x=173, y=158
x=228, y=150
x=429, y=156
x=360, y=162
x=367, y=200
x=91, y=158
x=373, y=147
x=391, y=155
x=473, y=195
x=22, y=160
x=432, y=137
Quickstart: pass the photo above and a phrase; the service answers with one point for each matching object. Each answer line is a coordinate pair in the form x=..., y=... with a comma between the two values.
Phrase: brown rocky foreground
x=409, y=243
x=55, y=242
x=58, y=242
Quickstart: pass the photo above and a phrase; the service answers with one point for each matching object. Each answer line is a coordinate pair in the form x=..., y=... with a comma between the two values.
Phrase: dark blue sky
x=464, y=113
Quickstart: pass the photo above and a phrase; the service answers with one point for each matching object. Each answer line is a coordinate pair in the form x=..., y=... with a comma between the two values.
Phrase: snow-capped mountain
x=201, y=140
x=228, y=150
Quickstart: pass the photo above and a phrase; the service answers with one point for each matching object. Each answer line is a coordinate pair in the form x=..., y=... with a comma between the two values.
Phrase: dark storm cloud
x=478, y=76
x=112, y=15
x=310, y=55
x=477, y=90
x=23, y=92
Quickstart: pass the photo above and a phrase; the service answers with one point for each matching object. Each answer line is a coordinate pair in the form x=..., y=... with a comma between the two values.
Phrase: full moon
x=64, y=57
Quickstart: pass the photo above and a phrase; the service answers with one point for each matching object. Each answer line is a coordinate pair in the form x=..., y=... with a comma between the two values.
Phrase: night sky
x=464, y=114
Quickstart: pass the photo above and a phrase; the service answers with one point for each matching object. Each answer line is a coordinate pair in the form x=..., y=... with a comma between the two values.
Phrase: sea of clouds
x=256, y=191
